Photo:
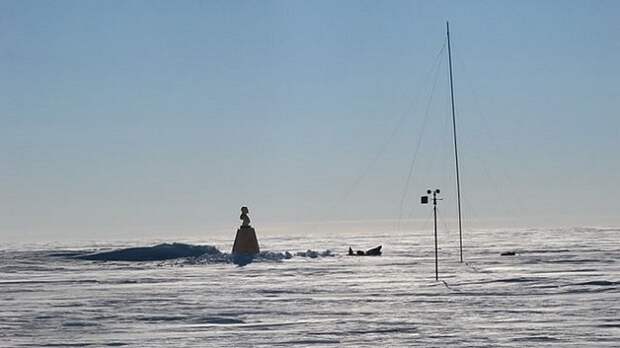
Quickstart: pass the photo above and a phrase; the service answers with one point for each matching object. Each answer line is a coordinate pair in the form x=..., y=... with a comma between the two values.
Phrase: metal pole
x=435, y=223
x=456, y=152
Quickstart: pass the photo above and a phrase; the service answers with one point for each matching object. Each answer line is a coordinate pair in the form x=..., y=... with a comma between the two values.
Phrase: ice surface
x=560, y=289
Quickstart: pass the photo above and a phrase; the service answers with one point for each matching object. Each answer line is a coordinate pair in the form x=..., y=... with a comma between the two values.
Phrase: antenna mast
x=456, y=152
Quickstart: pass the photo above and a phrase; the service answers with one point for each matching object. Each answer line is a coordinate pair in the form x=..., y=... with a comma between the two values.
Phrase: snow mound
x=155, y=253
x=187, y=254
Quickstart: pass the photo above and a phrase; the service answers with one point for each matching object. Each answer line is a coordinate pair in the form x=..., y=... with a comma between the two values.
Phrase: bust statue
x=246, y=243
x=244, y=216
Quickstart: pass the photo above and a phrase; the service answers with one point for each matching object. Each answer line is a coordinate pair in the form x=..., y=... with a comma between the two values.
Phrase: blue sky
x=149, y=118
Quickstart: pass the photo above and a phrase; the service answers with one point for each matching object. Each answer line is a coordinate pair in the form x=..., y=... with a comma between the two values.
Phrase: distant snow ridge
x=264, y=256
x=192, y=254
x=314, y=254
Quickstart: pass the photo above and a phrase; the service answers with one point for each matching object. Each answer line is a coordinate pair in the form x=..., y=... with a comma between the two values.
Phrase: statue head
x=244, y=210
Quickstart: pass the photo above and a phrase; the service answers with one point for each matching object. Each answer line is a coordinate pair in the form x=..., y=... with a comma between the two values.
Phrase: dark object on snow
x=374, y=251
x=508, y=253
x=370, y=252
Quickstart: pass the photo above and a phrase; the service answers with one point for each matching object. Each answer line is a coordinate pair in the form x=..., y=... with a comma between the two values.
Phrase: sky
x=140, y=119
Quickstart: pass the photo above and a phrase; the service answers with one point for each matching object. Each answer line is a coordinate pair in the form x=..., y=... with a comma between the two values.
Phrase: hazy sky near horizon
x=130, y=119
